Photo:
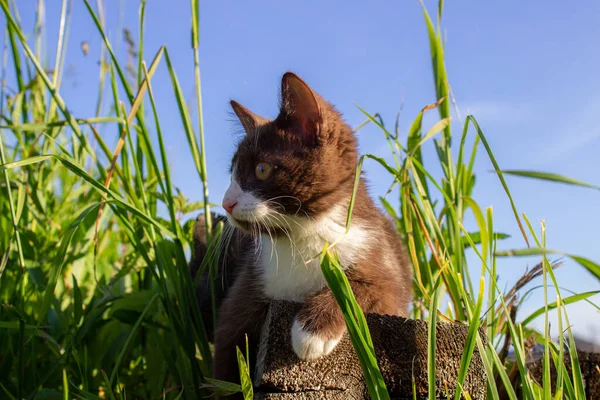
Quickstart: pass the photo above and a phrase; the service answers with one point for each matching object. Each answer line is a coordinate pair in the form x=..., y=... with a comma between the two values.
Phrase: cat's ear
x=249, y=120
x=300, y=109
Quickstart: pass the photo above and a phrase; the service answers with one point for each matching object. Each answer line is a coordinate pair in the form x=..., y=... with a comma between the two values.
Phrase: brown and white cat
x=292, y=180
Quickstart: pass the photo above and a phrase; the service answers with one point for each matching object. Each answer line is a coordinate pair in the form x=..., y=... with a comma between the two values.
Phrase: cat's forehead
x=267, y=143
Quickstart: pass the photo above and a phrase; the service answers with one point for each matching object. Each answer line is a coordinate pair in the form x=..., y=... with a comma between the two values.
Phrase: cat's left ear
x=300, y=109
x=249, y=120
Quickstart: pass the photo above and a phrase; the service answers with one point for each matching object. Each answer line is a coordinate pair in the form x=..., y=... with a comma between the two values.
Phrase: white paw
x=308, y=346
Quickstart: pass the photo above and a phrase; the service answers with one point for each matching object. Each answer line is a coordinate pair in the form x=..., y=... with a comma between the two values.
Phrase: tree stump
x=589, y=363
x=401, y=351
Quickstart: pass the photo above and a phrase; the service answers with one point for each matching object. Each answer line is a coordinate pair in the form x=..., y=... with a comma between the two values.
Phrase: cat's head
x=300, y=165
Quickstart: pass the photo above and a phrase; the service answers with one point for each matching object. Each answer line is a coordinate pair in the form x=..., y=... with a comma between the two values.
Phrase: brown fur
x=314, y=156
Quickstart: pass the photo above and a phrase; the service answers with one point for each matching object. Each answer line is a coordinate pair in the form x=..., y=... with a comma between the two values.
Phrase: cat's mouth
x=245, y=225
x=238, y=223
x=254, y=227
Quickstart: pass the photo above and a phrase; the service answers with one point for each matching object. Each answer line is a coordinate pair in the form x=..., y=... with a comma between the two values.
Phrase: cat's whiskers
x=295, y=246
x=278, y=217
x=284, y=218
x=302, y=233
x=257, y=240
x=303, y=230
x=286, y=197
x=256, y=232
x=280, y=220
x=228, y=232
x=266, y=227
x=278, y=204
x=214, y=249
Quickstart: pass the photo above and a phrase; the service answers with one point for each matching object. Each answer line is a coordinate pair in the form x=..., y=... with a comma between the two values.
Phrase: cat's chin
x=252, y=228
x=246, y=226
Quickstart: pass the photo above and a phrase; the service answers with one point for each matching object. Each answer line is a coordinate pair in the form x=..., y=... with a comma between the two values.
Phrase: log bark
x=401, y=350
x=589, y=364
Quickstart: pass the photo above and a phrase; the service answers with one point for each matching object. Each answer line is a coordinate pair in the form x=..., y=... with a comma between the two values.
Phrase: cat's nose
x=228, y=205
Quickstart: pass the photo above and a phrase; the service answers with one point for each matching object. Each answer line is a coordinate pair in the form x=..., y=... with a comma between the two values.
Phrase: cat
x=291, y=184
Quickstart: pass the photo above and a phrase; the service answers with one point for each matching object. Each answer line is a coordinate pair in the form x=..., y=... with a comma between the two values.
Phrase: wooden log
x=589, y=364
x=401, y=350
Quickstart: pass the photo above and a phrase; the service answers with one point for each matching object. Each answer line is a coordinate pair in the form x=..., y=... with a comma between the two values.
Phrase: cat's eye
x=263, y=170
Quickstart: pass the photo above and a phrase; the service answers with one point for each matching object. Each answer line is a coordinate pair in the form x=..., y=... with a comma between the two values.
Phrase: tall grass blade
x=195, y=4
x=246, y=382
x=470, y=342
x=356, y=324
x=551, y=306
x=130, y=337
x=546, y=176
x=591, y=266
x=431, y=343
x=471, y=119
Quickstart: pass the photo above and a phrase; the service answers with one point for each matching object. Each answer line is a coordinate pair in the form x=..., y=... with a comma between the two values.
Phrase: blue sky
x=528, y=71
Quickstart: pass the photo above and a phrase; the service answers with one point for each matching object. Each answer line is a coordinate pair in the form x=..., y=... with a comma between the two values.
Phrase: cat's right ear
x=249, y=120
x=300, y=108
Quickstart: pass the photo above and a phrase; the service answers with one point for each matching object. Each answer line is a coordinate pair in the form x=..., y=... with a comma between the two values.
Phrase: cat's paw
x=309, y=346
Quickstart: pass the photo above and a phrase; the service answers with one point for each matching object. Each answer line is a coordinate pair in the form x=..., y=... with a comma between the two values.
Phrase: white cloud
x=495, y=112
x=559, y=135
x=570, y=131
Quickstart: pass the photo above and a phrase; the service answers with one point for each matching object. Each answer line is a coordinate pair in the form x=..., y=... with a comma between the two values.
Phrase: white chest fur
x=290, y=268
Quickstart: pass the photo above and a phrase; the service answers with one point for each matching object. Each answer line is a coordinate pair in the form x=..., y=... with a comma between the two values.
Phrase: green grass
x=96, y=299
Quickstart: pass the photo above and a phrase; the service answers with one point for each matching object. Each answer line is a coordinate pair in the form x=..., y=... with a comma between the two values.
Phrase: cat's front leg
x=318, y=326
x=241, y=314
